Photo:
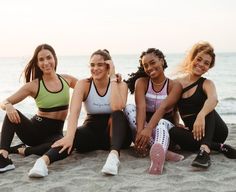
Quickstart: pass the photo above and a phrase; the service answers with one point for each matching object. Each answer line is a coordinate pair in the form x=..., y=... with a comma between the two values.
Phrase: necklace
x=158, y=83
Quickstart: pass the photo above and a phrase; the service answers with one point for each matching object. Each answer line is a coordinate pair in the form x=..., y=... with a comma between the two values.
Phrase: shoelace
x=224, y=149
x=201, y=151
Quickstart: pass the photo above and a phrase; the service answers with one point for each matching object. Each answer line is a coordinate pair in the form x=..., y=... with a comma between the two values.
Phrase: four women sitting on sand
x=158, y=99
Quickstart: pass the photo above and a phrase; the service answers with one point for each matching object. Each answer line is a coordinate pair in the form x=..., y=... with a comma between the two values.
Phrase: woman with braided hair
x=152, y=117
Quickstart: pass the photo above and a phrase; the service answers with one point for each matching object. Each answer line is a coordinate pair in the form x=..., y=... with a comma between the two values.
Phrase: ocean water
x=223, y=74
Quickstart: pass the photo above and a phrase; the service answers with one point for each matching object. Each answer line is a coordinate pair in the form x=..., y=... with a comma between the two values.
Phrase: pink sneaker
x=172, y=156
x=157, y=155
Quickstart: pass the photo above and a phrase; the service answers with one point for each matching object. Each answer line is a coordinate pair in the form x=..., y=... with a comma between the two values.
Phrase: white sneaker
x=111, y=165
x=39, y=169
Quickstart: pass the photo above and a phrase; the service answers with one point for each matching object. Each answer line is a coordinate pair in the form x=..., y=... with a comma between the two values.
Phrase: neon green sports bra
x=48, y=101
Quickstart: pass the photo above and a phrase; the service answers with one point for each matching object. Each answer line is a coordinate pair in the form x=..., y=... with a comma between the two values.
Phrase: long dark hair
x=32, y=71
x=140, y=72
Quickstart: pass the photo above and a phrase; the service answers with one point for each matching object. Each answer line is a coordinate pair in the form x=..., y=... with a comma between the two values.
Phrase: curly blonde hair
x=202, y=47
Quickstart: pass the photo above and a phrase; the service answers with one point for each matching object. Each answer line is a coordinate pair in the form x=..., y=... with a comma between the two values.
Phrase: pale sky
x=78, y=27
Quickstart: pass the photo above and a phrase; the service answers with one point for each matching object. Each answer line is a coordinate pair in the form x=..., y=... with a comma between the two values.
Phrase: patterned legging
x=160, y=133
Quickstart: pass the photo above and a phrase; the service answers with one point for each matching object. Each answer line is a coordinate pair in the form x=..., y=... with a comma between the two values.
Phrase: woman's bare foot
x=172, y=156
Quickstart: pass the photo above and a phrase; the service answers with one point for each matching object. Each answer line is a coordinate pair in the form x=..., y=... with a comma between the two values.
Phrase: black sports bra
x=194, y=103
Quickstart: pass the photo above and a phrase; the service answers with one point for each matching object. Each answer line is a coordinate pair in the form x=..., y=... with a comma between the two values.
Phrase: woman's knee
x=118, y=116
x=130, y=109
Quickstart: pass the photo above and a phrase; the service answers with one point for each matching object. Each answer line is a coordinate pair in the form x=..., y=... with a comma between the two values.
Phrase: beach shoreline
x=82, y=172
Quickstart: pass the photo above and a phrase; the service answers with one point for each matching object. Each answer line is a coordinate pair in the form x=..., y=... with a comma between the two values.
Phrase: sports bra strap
x=200, y=80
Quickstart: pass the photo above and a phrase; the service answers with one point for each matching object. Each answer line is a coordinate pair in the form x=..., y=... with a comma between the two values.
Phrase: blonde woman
x=203, y=128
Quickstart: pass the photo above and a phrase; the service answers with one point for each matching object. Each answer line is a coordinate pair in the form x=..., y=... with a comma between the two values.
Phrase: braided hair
x=140, y=72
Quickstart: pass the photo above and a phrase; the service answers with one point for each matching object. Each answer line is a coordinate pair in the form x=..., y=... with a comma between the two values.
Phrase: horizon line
x=118, y=54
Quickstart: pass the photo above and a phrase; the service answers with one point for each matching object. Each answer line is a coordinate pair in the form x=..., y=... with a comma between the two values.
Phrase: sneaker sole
x=36, y=174
x=198, y=165
x=7, y=168
x=108, y=172
x=157, y=155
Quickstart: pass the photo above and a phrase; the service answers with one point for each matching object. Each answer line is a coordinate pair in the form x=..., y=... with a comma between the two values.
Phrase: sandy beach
x=81, y=172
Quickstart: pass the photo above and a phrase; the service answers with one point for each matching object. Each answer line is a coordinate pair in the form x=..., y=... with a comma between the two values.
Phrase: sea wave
x=229, y=99
x=227, y=113
x=227, y=107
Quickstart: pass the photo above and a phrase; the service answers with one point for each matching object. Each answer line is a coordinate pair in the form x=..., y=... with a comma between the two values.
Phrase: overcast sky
x=78, y=27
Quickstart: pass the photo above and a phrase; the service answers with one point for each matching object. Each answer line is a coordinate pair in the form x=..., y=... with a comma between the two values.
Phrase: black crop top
x=194, y=103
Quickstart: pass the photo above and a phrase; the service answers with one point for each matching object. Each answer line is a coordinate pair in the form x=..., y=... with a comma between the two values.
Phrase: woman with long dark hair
x=51, y=93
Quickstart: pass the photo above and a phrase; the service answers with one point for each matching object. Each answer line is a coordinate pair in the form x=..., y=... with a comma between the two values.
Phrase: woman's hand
x=180, y=125
x=113, y=76
x=142, y=139
x=199, y=127
x=111, y=68
x=12, y=113
x=142, y=152
x=118, y=77
x=65, y=142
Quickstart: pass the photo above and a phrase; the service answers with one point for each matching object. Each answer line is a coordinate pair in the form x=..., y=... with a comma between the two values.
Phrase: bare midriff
x=58, y=115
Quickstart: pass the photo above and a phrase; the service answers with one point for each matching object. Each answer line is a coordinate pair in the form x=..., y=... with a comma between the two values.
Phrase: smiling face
x=46, y=61
x=98, y=68
x=153, y=65
x=201, y=64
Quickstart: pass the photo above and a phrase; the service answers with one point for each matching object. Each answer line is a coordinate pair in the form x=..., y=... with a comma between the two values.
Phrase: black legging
x=216, y=132
x=94, y=134
x=38, y=132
